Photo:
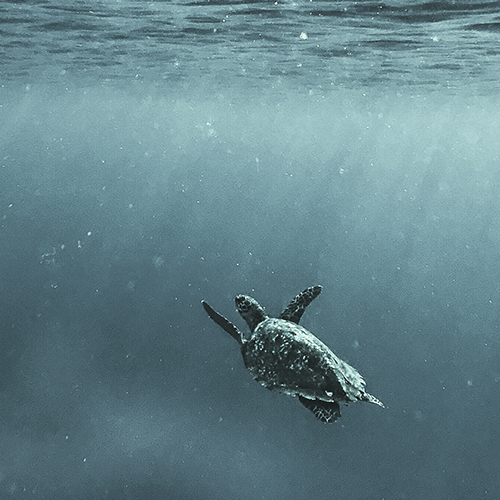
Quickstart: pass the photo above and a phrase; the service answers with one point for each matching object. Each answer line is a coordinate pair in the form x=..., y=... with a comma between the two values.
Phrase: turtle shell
x=286, y=358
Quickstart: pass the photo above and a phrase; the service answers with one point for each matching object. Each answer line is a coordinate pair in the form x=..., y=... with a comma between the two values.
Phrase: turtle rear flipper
x=223, y=323
x=326, y=411
x=297, y=306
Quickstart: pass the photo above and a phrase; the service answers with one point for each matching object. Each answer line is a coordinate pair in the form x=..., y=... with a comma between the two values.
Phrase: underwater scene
x=157, y=154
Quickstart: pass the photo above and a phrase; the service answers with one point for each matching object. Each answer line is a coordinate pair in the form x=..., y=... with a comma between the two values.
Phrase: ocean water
x=154, y=154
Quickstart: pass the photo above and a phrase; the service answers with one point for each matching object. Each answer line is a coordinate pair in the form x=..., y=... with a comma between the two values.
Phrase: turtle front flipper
x=326, y=411
x=297, y=306
x=223, y=323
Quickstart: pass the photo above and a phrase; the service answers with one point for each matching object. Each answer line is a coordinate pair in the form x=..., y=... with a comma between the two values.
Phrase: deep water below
x=121, y=208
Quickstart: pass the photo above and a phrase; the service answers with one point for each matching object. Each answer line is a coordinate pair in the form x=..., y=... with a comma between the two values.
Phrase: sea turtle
x=286, y=358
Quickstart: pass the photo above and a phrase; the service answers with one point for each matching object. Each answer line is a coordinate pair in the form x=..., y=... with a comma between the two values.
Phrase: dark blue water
x=154, y=154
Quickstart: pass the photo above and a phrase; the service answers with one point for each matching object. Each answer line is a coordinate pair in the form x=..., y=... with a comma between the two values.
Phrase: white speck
x=418, y=415
x=303, y=36
x=469, y=383
x=158, y=261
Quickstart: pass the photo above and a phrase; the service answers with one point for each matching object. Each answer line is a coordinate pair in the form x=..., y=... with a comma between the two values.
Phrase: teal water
x=154, y=154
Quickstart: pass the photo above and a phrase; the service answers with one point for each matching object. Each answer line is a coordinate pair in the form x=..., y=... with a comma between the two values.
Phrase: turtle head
x=251, y=311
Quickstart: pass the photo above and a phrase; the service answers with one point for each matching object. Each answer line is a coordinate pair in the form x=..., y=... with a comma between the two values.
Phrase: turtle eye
x=242, y=304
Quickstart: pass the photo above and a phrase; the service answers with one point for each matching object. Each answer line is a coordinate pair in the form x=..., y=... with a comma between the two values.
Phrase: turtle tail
x=372, y=399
